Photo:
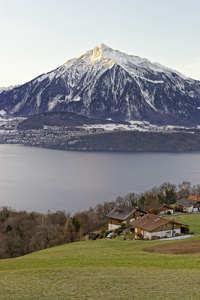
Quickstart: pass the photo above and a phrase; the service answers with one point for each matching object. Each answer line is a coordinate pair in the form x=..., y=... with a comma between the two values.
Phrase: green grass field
x=103, y=269
x=193, y=220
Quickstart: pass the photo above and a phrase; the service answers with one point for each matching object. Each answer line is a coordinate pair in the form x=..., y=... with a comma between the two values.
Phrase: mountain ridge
x=106, y=83
x=59, y=119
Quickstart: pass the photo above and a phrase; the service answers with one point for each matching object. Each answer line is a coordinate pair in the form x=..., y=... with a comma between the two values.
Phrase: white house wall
x=188, y=209
x=165, y=233
x=164, y=212
x=161, y=234
x=113, y=227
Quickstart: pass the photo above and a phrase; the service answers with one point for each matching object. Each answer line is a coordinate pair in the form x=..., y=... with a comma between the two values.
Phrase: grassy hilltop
x=103, y=269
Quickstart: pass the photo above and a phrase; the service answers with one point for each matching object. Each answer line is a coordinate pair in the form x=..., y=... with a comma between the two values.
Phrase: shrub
x=155, y=211
x=123, y=226
x=103, y=231
x=118, y=231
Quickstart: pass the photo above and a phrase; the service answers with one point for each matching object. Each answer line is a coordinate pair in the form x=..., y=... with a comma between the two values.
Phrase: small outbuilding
x=151, y=227
x=93, y=235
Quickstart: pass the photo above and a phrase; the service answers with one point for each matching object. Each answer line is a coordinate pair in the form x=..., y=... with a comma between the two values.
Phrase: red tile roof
x=160, y=207
x=191, y=197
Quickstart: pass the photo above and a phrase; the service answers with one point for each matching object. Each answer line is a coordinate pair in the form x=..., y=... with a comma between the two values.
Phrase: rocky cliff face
x=106, y=83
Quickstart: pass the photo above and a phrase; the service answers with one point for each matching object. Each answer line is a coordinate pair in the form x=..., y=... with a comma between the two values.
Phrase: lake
x=35, y=179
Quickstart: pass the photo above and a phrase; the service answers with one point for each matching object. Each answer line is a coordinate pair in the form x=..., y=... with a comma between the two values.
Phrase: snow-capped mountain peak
x=107, y=83
x=98, y=55
x=134, y=65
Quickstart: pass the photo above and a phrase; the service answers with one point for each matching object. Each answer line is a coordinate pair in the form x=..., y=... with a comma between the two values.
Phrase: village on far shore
x=52, y=133
x=150, y=224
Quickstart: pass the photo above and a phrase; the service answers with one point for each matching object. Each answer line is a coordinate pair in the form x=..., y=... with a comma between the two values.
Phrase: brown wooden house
x=120, y=215
x=162, y=209
x=151, y=227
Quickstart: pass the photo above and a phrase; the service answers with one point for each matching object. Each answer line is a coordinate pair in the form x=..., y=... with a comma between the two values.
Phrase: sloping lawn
x=193, y=220
x=102, y=269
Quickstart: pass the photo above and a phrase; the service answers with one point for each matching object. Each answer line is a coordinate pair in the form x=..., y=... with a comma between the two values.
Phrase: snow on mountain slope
x=107, y=83
x=132, y=64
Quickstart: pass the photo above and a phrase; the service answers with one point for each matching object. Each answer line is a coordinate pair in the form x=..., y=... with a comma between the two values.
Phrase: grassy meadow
x=193, y=220
x=103, y=269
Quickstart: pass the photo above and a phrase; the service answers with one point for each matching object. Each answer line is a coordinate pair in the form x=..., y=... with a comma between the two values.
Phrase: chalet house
x=188, y=205
x=120, y=215
x=163, y=209
x=151, y=227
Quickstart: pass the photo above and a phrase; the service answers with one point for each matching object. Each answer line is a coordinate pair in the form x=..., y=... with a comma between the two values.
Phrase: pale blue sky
x=37, y=36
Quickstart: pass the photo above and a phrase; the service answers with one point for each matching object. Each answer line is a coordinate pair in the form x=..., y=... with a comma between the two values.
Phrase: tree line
x=135, y=141
x=23, y=232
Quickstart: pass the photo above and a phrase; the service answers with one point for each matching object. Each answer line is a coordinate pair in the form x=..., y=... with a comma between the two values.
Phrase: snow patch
x=38, y=98
x=191, y=94
x=52, y=104
x=2, y=113
x=142, y=126
x=160, y=68
x=11, y=87
x=77, y=98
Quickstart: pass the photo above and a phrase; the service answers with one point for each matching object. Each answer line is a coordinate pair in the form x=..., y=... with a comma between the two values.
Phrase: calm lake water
x=35, y=179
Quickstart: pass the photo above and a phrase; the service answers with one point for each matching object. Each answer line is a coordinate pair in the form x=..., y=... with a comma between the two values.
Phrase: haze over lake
x=35, y=179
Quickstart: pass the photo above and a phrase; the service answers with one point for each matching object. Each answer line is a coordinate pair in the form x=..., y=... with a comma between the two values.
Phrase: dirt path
x=189, y=247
